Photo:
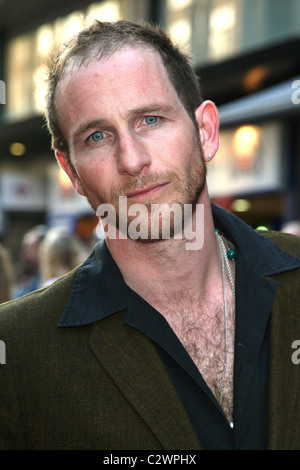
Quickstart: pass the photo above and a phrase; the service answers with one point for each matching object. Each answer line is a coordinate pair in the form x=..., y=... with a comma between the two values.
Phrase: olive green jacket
x=71, y=388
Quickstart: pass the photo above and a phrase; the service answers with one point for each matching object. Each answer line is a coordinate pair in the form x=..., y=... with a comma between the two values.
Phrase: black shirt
x=99, y=291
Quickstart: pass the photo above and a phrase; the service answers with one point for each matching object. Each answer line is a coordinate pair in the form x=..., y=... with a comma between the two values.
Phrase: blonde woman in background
x=6, y=275
x=60, y=252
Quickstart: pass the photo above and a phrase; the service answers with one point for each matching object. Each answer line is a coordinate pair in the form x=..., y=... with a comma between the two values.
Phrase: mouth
x=147, y=192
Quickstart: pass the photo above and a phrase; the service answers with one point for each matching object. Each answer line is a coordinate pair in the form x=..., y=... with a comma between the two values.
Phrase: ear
x=65, y=164
x=207, y=117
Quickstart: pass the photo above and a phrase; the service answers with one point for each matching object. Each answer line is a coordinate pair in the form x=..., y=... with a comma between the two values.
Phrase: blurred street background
x=247, y=55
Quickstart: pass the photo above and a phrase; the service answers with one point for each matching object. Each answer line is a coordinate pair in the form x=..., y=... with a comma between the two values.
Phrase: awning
x=269, y=103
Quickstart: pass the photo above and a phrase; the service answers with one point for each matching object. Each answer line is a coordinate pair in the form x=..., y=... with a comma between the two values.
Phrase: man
x=151, y=344
x=28, y=275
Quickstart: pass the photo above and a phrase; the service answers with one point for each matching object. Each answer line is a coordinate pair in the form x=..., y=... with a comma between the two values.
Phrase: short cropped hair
x=102, y=40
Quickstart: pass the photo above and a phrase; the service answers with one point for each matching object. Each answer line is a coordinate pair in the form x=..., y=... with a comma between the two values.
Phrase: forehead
x=127, y=75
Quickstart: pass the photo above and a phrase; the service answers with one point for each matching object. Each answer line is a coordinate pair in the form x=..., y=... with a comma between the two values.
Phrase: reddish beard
x=187, y=189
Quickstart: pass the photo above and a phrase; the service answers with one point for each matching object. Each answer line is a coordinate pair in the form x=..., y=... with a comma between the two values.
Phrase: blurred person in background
x=59, y=253
x=6, y=275
x=292, y=227
x=27, y=268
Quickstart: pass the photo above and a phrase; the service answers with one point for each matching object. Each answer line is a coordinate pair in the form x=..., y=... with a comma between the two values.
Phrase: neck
x=167, y=267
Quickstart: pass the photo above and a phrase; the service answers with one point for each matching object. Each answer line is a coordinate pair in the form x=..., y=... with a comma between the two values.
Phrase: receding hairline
x=75, y=64
x=104, y=39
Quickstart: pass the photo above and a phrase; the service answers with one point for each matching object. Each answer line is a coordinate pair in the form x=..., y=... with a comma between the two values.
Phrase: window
x=27, y=55
x=222, y=29
x=179, y=25
x=207, y=29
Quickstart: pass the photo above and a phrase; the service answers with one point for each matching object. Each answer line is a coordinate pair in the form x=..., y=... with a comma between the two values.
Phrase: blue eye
x=96, y=136
x=151, y=119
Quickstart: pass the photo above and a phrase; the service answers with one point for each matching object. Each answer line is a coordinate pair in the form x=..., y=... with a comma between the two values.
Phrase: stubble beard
x=188, y=189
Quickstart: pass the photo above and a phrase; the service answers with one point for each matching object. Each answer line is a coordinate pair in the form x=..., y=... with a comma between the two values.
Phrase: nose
x=133, y=156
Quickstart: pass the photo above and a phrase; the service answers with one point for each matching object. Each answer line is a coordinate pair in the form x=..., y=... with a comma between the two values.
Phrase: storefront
x=257, y=169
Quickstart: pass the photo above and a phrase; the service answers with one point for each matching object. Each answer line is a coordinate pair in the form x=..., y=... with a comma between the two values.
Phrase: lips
x=146, y=191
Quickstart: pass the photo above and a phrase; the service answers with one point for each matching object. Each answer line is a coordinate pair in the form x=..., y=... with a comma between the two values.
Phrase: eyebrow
x=152, y=108
x=149, y=109
x=85, y=127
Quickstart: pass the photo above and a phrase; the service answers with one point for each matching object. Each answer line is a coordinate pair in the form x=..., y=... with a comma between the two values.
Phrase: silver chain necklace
x=225, y=262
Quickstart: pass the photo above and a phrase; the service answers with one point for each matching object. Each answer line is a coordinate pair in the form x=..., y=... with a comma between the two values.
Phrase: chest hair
x=202, y=332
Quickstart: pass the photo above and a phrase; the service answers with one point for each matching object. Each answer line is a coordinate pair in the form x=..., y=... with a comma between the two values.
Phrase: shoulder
x=45, y=305
x=287, y=242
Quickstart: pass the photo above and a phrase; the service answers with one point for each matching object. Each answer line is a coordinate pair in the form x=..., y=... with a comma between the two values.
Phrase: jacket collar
x=263, y=256
x=93, y=296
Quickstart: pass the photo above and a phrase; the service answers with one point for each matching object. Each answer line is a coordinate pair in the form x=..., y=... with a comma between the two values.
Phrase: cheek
x=183, y=154
x=94, y=178
x=185, y=141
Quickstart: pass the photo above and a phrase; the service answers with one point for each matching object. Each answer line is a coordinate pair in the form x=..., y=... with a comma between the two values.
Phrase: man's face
x=128, y=133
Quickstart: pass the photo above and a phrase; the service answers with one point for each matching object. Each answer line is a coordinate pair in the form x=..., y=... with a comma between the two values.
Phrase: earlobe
x=207, y=117
x=64, y=163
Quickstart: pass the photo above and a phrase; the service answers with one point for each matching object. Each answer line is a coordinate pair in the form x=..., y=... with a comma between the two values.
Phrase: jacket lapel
x=139, y=374
x=250, y=333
